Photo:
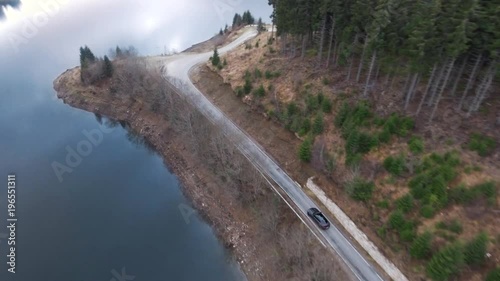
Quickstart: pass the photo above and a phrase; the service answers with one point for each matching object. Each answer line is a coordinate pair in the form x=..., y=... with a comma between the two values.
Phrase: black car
x=318, y=218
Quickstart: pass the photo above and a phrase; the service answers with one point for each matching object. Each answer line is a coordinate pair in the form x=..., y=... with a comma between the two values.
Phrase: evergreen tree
x=237, y=20
x=119, y=52
x=318, y=124
x=305, y=150
x=421, y=246
x=445, y=263
x=215, y=58
x=475, y=250
x=108, y=67
x=260, y=26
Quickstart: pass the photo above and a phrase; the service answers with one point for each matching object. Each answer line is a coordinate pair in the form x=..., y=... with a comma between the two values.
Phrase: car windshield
x=321, y=218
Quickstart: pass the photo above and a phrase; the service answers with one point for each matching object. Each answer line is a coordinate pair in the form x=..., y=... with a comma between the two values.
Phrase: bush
x=405, y=203
x=384, y=136
x=383, y=204
x=326, y=81
x=445, y=263
x=399, y=125
x=416, y=145
x=305, y=150
x=493, y=275
x=257, y=73
x=318, y=124
x=260, y=92
x=482, y=144
x=360, y=189
x=427, y=211
x=407, y=234
x=247, y=88
x=326, y=105
x=395, y=165
x=215, y=58
x=292, y=109
x=454, y=226
x=397, y=220
x=305, y=128
x=268, y=74
x=463, y=195
x=311, y=103
x=475, y=250
x=240, y=92
x=421, y=246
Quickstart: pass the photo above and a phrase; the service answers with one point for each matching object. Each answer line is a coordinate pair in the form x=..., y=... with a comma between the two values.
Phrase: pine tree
x=118, y=52
x=421, y=246
x=108, y=67
x=215, y=58
x=445, y=263
x=318, y=124
x=305, y=150
x=475, y=250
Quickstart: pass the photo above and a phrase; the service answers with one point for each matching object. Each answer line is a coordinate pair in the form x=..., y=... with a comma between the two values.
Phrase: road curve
x=179, y=67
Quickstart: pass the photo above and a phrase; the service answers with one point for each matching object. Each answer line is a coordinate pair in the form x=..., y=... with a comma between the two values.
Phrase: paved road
x=179, y=67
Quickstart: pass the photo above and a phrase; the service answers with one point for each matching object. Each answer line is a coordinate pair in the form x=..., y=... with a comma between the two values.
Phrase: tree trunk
x=361, y=60
x=350, y=69
x=336, y=54
x=482, y=90
x=440, y=95
x=322, y=41
x=372, y=64
x=410, y=91
x=304, y=45
x=424, y=96
x=459, y=76
x=330, y=43
x=435, y=86
x=393, y=77
x=470, y=82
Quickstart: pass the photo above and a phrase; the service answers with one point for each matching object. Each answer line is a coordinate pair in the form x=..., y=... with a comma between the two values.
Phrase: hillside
x=419, y=188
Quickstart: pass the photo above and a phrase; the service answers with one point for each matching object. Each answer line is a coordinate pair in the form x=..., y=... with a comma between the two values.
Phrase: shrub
x=240, y=92
x=416, y=145
x=326, y=105
x=493, y=275
x=399, y=125
x=359, y=189
x=463, y=195
x=305, y=150
x=257, y=73
x=260, y=92
x=305, y=128
x=421, y=246
x=395, y=165
x=427, y=211
x=445, y=263
x=405, y=203
x=482, y=144
x=247, y=88
x=326, y=81
x=292, y=109
x=318, y=124
x=397, y=220
x=383, y=204
x=247, y=75
x=215, y=58
x=475, y=250
x=454, y=226
x=268, y=74
x=311, y=103
x=407, y=234
x=384, y=136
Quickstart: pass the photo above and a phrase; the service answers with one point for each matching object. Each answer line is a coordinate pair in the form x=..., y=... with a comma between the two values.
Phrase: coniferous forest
x=451, y=47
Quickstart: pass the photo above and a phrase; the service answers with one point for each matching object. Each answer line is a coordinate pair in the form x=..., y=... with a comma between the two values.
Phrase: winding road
x=179, y=67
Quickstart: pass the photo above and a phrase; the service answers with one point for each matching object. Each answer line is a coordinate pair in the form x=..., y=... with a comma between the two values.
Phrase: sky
x=150, y=25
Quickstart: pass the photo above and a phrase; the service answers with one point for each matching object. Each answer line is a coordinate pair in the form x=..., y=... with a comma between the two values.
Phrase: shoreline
x=180, y=161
